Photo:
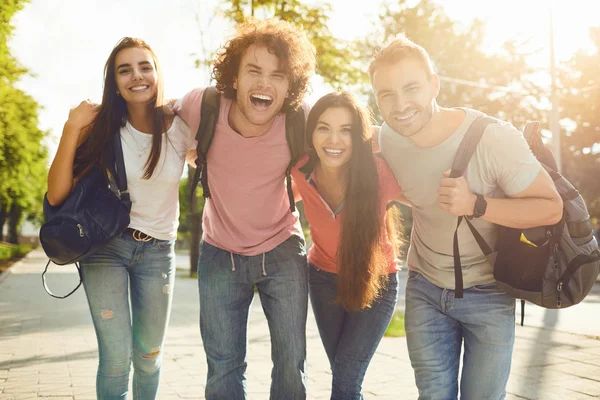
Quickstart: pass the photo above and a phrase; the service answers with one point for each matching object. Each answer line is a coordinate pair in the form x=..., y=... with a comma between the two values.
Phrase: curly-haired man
x=250, y=237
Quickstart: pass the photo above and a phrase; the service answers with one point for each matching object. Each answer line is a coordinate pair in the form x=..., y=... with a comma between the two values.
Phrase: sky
x=65, y=43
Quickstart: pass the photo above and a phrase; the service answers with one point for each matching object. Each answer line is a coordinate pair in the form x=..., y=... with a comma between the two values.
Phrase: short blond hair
x=399, y=48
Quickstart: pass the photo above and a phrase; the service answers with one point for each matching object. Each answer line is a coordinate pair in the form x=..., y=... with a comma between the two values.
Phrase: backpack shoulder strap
x=295, y=122
x=543, y=154
x=120, y=174
x=209, y=115
x=469, y=143
x=465, y=151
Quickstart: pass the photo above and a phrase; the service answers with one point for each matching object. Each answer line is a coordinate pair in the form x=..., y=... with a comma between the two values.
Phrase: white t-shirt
x=155, y=201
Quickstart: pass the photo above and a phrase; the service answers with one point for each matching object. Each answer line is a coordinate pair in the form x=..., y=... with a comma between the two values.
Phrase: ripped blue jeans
x=144, y=273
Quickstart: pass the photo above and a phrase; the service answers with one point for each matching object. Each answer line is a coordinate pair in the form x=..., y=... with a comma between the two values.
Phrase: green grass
x=9, y=252
x=396, y=326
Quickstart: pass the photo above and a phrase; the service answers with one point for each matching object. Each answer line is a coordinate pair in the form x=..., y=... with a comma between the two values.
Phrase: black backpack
x=209, y=115
x=551, y=266
x=89, y=217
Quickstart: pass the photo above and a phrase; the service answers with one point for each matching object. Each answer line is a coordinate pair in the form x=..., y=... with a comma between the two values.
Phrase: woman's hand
x=82, y=116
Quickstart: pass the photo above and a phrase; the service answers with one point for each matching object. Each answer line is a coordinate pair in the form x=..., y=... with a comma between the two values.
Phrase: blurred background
x=515, y=60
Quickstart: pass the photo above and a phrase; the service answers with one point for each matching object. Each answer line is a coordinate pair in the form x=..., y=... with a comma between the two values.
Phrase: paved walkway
x=48, y=348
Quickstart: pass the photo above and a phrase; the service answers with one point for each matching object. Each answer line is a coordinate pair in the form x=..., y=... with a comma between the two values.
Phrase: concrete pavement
x=48, y=348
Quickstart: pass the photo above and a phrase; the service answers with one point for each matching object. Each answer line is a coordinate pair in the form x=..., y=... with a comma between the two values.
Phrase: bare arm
x=60, y=177
x=538, y=205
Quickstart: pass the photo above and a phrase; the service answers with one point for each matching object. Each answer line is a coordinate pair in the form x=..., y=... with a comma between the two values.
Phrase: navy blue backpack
x=90, y=217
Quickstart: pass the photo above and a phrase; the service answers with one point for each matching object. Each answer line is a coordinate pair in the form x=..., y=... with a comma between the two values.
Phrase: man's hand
x=455, y=196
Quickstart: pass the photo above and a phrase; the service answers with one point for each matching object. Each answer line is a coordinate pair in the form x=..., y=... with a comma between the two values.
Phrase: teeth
x=138, y=88
x=333, y=151
x=405, y=117
x=262, y=97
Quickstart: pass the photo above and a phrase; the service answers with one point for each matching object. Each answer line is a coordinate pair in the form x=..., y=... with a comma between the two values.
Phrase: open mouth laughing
x=261, y=101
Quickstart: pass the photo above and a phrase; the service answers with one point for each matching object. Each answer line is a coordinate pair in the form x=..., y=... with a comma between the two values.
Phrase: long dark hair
x=112, y=116
x=363, y=268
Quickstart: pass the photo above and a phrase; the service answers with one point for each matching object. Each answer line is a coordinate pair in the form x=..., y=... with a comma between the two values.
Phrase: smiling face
x=261, y=88
x=332, y=137
x=405, y=93
x=135, y=75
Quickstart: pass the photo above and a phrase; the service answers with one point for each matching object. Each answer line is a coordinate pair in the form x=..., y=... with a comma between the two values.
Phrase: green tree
x=190, y=219
x=579, y=90
x=23, y=158
x=470, y=76
x=336, y=62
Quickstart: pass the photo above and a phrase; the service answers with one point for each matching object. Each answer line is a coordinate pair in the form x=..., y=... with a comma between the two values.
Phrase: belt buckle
x=139, y=236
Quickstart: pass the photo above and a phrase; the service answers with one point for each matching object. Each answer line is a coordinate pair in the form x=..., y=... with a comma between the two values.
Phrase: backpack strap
x=48, y=289
x=209, y=115
x=120, y=174
x=465, y=152
x=295, y=122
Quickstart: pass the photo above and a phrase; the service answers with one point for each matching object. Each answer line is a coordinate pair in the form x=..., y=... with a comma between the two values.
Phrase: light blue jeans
x=226, y=284
x=144, y=273
x=437, y=325
x=350, y=338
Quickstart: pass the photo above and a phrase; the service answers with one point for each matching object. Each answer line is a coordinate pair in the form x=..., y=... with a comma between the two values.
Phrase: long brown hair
x=291, y=46
x=363, y=268
x=112, y=116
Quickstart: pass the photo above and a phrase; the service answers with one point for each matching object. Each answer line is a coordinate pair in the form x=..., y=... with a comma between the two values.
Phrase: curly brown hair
x=284, y=40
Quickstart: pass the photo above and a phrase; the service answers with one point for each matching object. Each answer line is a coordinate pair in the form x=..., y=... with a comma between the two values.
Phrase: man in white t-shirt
x=503, y=185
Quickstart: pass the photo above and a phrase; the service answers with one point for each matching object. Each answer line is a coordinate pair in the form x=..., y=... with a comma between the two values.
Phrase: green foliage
x=9, y=252
x=457, y=53
x=396, y=326
x=581, y=148
x=23, y=158
x=185, y=220
x=336, y=58
x=10, y=70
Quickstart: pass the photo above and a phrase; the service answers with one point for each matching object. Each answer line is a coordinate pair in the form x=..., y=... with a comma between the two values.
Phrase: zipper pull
x=559, y=289
x=81, y=234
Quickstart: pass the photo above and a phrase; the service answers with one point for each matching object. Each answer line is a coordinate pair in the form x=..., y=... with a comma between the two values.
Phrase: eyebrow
x=129, y=65
x=409, y=84
x=255, y=66
x=325, y=123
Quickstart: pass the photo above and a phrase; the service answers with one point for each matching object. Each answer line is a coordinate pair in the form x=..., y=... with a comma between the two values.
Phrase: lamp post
x=554, y=113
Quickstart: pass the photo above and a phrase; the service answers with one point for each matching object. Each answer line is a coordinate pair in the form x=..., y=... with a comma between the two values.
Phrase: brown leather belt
x=139, y=236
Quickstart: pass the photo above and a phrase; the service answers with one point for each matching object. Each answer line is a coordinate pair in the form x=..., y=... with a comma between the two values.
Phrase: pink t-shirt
x=248, y=212
x=325, y=226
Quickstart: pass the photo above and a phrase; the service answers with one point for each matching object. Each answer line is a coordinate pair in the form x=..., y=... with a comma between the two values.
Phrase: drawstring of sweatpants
x=264, y=270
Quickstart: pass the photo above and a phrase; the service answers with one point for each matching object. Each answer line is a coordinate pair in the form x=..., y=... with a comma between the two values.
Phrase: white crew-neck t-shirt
x=155, y=201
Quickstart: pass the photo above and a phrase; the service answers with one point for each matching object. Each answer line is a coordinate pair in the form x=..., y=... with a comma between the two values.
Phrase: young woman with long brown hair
x=352, y=275
x=139, y=264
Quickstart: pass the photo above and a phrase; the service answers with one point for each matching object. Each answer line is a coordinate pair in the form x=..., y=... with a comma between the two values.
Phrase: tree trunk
x=3, y=216
x=14, y=222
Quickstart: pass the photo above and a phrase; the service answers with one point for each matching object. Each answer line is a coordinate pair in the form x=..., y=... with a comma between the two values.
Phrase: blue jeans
x=437, y=324
x=145, y=273
x=226, y=284
x=350, y=338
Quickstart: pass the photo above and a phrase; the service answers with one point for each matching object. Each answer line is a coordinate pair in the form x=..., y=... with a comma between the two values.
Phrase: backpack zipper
x=81, y=234
x=559, y=286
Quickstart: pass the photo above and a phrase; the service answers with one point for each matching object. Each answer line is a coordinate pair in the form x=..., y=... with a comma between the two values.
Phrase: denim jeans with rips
x=437, y=325
x=226, y=284
x=143, y=272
